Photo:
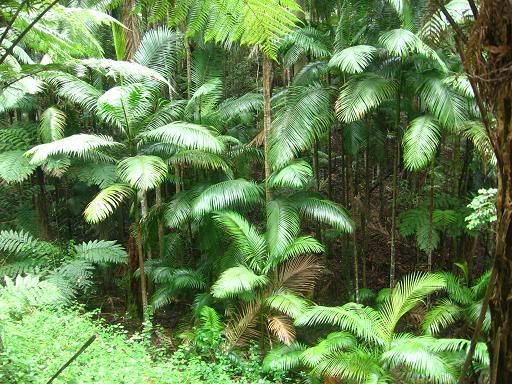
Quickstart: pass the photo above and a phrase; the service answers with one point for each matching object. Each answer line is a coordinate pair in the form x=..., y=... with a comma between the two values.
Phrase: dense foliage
x=243, y=192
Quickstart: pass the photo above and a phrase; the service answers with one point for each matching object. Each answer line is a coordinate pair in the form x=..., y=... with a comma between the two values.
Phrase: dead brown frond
x=300, y=274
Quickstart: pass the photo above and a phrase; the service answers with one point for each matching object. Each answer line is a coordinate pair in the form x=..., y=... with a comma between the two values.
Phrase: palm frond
x=420, y=142
x=81, y=145
x=406, y=295
x=364, y=322
x=53, y=122
x=282, y=328
x=284, y=358
x=361, y=94
x=143, y=172
x=444, y=314
x=228, y=194
x=283, y=225
x=299, y=274
x=237, y=280
x=303, y=113
x=295, y=175
x=186, y=135
x=105, y=202
x=249, y=243
x=287, y=303
x=334, y=342
x=353, y=59
x=324, y=211
x=201, y=159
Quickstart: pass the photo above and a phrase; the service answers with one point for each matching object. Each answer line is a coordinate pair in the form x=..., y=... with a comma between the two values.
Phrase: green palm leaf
x=334, y=342
x=406, y=295
x=143, y=172
x=53, y=122
x=248, y=242
x=420, y=142
x=82, y=145
x=105, y=202
x=201, y=159
x=284, y=357
x=101, y=251
x=363, y=322
x=353, y=59
x=361, y=94
x=227, y=194
x=323, y=211
x=287, y=303
x=303, y=113
x=283, y=225
x=295, y=175
x=186, y=135
x=237, y=280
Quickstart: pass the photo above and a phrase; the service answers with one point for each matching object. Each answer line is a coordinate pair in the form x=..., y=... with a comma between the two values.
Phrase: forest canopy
x=255, y=191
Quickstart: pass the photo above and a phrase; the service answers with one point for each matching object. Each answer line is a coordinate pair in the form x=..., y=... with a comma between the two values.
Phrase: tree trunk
x=267, y=118
x=392, y=259
x=140, y=251
x=501, y=302
x=132, y=33
x=42, y=206
x=161, y=230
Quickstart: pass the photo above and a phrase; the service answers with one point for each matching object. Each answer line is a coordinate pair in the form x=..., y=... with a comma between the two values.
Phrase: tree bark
x=132, y=33
x=501, y=302
x=140, y=251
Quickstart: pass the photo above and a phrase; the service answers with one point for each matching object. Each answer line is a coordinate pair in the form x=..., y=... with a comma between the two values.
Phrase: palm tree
x=463, y=303
x=369, y=346
x=272, y=276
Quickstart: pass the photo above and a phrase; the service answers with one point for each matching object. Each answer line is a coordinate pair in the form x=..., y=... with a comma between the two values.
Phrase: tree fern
x=15, y=167
x=101, y=251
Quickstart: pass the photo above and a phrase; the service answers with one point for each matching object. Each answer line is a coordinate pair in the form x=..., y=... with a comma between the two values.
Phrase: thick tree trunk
x=267, y=118
x=501, y=302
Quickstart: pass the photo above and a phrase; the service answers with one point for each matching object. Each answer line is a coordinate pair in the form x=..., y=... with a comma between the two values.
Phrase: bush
x=37, y=343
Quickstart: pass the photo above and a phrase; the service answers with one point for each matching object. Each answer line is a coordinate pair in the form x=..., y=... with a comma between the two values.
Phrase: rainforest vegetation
x=255, y=191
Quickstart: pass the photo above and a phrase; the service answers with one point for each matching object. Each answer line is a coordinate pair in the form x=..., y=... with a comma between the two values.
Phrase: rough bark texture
x=489, y=62
x=501, y=302
x=132, y=33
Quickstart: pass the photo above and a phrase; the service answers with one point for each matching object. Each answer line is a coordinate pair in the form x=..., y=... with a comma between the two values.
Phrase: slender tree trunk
x=161, y=230
x=267, y=118
x=188, y=64
x=316, y=167
x=140, y=251
x=329, y=165
x=42, y=206
x=396, y=162
x=430, y=220
x=392, y=263
x=365, y=211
